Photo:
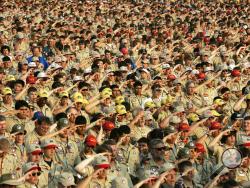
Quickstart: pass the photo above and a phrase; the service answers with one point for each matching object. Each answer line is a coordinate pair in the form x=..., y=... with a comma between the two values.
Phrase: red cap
x=206, y=39
x=184, y=127
x=108, y=125
x=246, y=144
x=109, y=30
x=201, y=76
x=200, y=147
x=36, y=152
x=31, y=80
x=105, y=166
x=91, y=141
x=235, y=73
x=215, y=125
x=124, y=51
x=171, y=77
x=52, y=146
x=219, y=39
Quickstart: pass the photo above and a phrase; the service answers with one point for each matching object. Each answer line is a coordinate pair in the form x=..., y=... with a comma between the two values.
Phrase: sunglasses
x=36, y=174
x=160, y=149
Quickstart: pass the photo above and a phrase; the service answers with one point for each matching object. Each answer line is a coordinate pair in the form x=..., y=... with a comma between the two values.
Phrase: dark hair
x=60, y=115
x=230, y=184
x=5, y=47
x=137, y=83
x=21, y=103
x=124, y=129
x=19, y=82
x=115, y=134
x=80, y=120
x=6, y=58
x=183, y=165
x=43, y=119
x=109, y=142
x=103, y=148
x=143, y=140
x=31, y=89
x=2, y=118
x=246, y=118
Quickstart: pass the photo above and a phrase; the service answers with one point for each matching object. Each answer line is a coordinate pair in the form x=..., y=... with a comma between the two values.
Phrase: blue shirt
x=42, y=60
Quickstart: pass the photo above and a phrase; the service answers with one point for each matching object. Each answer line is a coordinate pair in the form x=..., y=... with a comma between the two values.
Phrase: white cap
x=58, y=59
x=123, y=68
x=87, y=70
x=231, y=66
x=77, y=78
x=166, y=66
x=195, y=71
x=32, y=64
x=42, y=75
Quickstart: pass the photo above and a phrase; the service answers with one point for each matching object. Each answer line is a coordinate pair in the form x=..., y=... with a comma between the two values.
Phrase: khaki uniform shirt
x=32, y=138
x=9, y=164
x=67, y=152
x=130, y=156
x=138, y=132
x=136, y=101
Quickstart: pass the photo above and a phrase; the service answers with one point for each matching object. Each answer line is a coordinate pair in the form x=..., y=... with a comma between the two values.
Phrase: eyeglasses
x=36, y=174
x=160, y=149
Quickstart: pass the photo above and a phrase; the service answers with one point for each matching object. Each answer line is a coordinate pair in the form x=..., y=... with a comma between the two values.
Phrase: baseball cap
x=184, y=127
x=170, y=129
x=102, y=162
x=119, y=99
x=215, y=125
x=77, y=78
x=179, y=109
x=32, y=65
x=7, y=91
x=62, y=122
x=34, y=149
x=167, y=100
x=48, y=143
x=219, y=102
x=200, y=148
x=42, y=75
x=120, y=109
x=27, y=167
x=108, y=125
x=43, y=94
x=90, y=141
x=193, y=117
x=31, y=79
x=166, y=66
x=167, y=167
x=37, y=115
x=81, y=100
x=66, y=179
x=64, y=94
x=76, y=95
x=10, y=78
x=149, y=104
x=18, y=129
x=183, y=153
x=9, y=179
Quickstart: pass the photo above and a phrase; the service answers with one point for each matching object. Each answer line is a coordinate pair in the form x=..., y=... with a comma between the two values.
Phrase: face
x=230, y=140
x=158, y=151
x=73, y=114
x=23, y=112
x=143, y=148
x=7, y=98
x=49, y=152
x=2, y=127
x=116, y=92
x=41, y=101
x=33, y=179
x=138, y=90
x=43, y=128
x=81, y=130
x=34, y=158
x=191, y=90
x=33, y=96
x=247, y=125
x=171, y=178
x=36, y=52
x=19, y=138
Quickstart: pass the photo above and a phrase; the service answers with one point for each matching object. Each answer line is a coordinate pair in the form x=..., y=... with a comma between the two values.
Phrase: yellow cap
x=105, y=94
x=7, y=91
x=43, y=93
x=107, y=90
x=10, y=78
x=167, y=100
x=219, y=102
x=193, y=117
x=120, y=109
x=77, y=95
x=64, y=94
x=119, y=99
x=81, y=100
x=248, y=96
x=215, y=113
x=149, y=104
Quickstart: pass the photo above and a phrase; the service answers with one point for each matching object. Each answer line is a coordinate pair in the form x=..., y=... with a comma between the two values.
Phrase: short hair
x=182, y=166
x=44, y=119
x=60, y=115
x=154, y=142
x=110, y=142
x=143, y=140
x=80, y=120
x=21, y=103
x=31, y=89
x=69, y=109
x=230, y=184
x=2, y=118
x=19, y=82
x=246, y=118
x=103, y=148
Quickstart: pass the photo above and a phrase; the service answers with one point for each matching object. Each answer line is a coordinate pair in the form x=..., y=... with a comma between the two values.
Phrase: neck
x=47, y=158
